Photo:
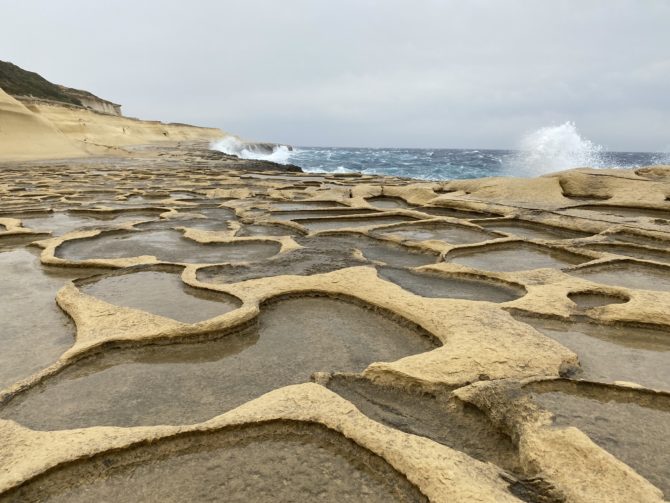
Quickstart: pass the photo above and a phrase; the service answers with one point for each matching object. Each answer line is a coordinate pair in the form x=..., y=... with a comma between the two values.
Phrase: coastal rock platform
x=180, y=325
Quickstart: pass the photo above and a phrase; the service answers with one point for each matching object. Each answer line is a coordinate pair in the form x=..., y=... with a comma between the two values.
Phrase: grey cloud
x=364, y=72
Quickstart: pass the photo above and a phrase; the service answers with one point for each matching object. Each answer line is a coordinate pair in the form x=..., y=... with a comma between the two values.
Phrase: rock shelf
x=208, y=468
x=180, y=325
x=189, y=383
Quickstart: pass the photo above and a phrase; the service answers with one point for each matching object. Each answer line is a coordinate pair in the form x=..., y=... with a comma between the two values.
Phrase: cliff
x=39, y=119
x=90, y=100
x=26, y=135
x=16, y=81
x=29, y=86
x=92, y=129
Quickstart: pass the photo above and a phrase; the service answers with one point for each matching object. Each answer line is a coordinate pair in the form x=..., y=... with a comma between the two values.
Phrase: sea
x=547, y=150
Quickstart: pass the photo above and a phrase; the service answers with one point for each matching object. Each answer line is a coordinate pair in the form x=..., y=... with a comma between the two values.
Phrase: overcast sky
x=414, y=73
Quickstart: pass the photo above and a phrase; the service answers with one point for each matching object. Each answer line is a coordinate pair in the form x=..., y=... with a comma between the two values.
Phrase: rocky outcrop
x=90, y=100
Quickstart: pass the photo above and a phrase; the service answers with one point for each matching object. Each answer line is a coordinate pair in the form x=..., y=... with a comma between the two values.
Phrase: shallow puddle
x=613, y=353
x=266, y=230
x=167, y=246
x=304, y=205
x=455, y=212
x=139, y=203
x=189, y=220
x=633, y=251
x=626, y=212
x=450, y=422
x=189, y=383
x=61, y=223
x=142, y=200
x=532, y=230
x=216, y=219
x=628, y=275
x=35, y=332
x=588, y=300
x=454, y=234
x=389, y=202
x=633, y=427
x=510, y=257
x=217, y=214
x=162, y=293
x=317, y=258
x=442, y=286
x=280, y=461
x=640, y=239
x=127, y=214
x=187, y=196
x=317, y=224
x=372, y=249
x=293, y=215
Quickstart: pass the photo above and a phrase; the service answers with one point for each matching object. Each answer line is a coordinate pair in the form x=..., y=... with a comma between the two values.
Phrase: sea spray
x=232, y=145
x=553, y=148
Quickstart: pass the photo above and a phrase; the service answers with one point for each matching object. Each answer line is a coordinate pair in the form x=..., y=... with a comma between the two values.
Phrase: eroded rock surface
x=237, y=465
x=188, y=383
x=165, y=312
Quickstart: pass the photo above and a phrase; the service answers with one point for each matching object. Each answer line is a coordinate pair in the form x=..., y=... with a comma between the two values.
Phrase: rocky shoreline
x=472, y=340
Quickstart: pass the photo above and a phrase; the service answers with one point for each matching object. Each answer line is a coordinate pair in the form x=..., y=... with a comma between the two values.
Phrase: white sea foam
x=553, y=148
x=232, y=145
x=321, y=169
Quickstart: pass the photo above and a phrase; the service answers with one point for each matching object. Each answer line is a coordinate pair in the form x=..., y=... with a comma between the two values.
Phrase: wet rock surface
x=450, y=233
x=35, y=330
x=613, y=419
x=336, y=338
x=372, y=249
x=160, y=292
x=449, y=422
x=627, y=274
x=315, y=258
x=240, y=464
x=589, y=299
x=510, y=257
x=532, y=230
x=167, y=246
x=189, y=383
x=429, y=284
x=320, y=224
x=614, y=353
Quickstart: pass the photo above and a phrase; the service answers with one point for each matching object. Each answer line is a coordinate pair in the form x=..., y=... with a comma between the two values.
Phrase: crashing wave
x=554, y=148
x=232, y=145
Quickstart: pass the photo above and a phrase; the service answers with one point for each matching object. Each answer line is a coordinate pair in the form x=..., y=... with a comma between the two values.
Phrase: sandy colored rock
x=27, y=135
x=583, y=259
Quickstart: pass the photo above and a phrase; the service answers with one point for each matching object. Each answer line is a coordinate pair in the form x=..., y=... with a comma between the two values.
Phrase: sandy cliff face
x=26, y=135
x=90, y=100
x=38, y=130
x=92, y=128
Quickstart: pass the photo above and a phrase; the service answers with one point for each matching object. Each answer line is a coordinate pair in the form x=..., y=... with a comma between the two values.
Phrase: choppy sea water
x=441, y=164
x=546, y=150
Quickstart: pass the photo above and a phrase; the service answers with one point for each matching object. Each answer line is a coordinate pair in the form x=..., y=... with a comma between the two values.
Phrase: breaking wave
x=232, y=145
x=554, y=148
